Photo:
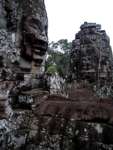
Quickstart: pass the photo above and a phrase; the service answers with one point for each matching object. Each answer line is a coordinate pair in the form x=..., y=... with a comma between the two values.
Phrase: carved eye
x=36, y=24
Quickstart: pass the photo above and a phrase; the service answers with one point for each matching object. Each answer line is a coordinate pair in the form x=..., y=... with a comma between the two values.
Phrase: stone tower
x=91, y=56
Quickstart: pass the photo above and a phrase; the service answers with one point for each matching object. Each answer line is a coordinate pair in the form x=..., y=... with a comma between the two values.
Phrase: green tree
x=59, y=57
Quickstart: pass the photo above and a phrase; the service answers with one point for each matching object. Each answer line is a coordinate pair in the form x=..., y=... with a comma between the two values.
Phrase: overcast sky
x=66, y=16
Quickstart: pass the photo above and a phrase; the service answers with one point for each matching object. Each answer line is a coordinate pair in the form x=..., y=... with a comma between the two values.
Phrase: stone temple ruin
x=91, y=58
x=31, y=118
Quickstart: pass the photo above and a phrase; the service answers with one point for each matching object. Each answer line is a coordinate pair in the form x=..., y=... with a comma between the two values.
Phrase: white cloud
x=66, y=16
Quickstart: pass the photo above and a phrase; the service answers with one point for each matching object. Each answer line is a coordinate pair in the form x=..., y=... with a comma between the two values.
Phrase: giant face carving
x=27, y=20
x=34, y=26
x=34, y=39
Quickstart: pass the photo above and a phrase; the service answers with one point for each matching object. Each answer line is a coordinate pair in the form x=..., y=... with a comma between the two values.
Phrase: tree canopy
x=58, y=57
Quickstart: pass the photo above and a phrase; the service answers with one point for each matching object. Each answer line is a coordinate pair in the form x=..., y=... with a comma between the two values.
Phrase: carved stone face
x=91, y=52
x=33, y=32
x=27, y=20
x=34, y=39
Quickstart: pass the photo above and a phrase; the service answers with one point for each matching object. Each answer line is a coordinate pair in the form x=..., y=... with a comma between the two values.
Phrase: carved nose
x=43, y=36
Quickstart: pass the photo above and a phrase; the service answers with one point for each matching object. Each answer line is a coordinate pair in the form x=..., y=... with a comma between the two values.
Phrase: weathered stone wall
x=59, y=123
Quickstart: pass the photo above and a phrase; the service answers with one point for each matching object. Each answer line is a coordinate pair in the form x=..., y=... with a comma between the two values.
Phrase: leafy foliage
x=58, y=57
